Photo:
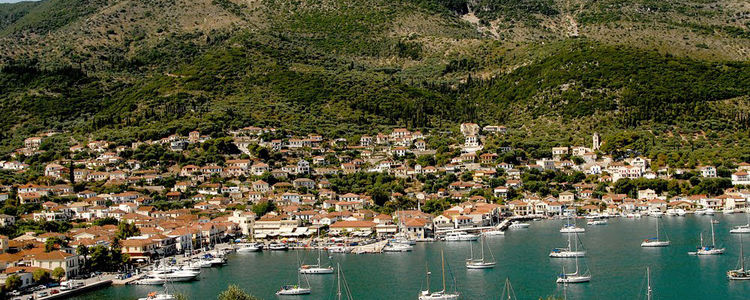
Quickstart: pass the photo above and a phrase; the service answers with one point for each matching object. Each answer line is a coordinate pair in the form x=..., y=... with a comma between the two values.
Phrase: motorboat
x=248, y=248
x=278, y=247
x=680, y=212
x=597, y=222
x=150, y=281
x=568, y=252
x=710, y=212
x=460, y=237
x=700, y=212
x=493, y=232
x=396, y=247
x=316, y=268
x=519, y=225
x=339, y=249
x=158, y=296
x=655, y=242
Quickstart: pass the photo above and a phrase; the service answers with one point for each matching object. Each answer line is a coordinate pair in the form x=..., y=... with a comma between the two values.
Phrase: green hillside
x=127, y=70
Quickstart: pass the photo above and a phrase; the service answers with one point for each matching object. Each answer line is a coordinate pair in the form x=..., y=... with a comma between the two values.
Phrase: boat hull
x=574, y=279
x=655, y=244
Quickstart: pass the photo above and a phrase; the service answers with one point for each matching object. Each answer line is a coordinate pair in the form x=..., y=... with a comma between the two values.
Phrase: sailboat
x=710, y=249
x=740, y=273
x=742, y=228
x=508, y=293
x=655, y=242
x=440, y=295
x=298, y=289
x=574, y=277
x=316, y=269
x=571, y=228
x=159, y=296
x=569, y=251
x=481, y=263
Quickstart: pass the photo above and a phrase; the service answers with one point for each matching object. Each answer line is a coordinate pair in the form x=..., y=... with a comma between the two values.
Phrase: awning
x=260, y=235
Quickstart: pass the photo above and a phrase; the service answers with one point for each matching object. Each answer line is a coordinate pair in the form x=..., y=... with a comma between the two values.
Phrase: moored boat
x=740, y=273
x=460, y=237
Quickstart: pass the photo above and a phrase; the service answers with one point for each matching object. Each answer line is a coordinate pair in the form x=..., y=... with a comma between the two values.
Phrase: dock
x=371, y=248
x=83, y=289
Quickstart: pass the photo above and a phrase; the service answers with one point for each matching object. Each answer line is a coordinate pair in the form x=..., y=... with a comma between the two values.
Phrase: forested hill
x=133, y=69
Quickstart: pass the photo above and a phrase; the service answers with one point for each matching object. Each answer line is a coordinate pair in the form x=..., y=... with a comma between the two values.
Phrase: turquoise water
x=615, y=258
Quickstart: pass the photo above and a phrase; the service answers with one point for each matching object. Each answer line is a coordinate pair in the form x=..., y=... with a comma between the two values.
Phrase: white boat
x=519, y=225
x=493, y=232
x=574, y=277
x=655, y=213
x=339, y=249
x=176, y=276
x=671, y=212
x=341, y=283
x=681, y=212
x=597, y=222
x=151, y=281
x=439, y=295
x=709, y=249
x=568, y=252
x=278, y=247
x=158, y=296
x=742, y=228
x=218, y=261
x=204, y=263
x=700, y=212
x=460, y=237
x=727, y=211
x=710, y=211
x=247, y=248
x=655, y=242
x=480, y=263
x=571, y=228
x=316, y=269
x=295, y=289
x=403, y=240
x=397, y=248
x=740, y=273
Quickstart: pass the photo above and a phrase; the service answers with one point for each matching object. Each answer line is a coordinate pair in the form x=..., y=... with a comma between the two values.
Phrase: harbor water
x=614, y=257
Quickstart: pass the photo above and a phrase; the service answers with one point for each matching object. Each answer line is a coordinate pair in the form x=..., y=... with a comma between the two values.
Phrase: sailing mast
x=648, y=280
x=713, y=239
x=442, y=263
x=338, y=280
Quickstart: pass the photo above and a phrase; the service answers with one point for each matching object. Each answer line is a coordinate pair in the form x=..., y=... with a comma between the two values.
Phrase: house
x=708, y=171
x=71, y=263
x=140, y=250
x=361, y=228
x=740, y=177
x=261, y=186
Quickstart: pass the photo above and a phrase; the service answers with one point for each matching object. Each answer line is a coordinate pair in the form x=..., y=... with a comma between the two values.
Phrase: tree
x=49, y=245
x=262, y=208
x=126, y=230
x=58, y=273
x=40, y=276
x=234, y=292
x=13, y=282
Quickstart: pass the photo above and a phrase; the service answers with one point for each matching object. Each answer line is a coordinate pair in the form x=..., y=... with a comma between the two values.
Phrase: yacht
x=709, y=249
x=151, y=281
x=671, y=212
x=403, y=240
x=158, y=296
x=278, y=247
x=175, y=276
x=597, y=222
x=740, y=273
x=742, y=228
x=480, y=263
x=316, y=269
x=710, y=212
x=700, y=212
x=655, y=242
x=493, y=232
x=251, y=247
x=396, y=247
x=460, y=237
x=568, y=252
x=574, y=277
x=341, y=283
x=680, y=212
x=439, y=295
x=518, y=225
x=571, y=228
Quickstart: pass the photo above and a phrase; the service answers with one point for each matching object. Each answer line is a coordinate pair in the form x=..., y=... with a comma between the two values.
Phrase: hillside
x=125, y=69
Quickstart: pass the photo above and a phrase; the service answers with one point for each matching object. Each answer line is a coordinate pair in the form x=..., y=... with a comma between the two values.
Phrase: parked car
x=55, y=291
x=42, y=294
